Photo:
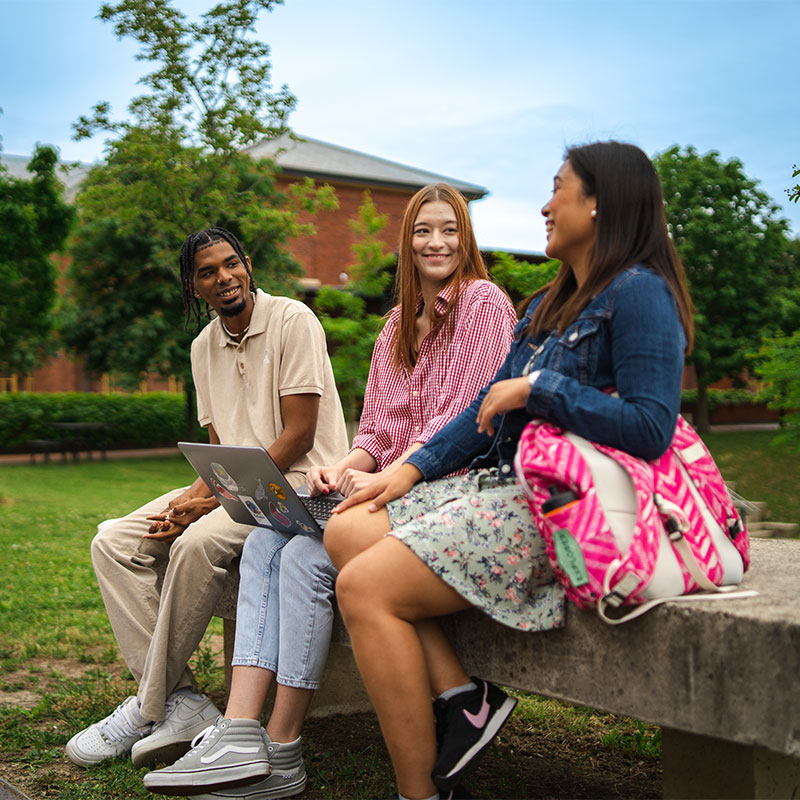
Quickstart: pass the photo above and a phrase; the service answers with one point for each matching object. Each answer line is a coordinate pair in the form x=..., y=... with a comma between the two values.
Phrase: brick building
x=324, y=257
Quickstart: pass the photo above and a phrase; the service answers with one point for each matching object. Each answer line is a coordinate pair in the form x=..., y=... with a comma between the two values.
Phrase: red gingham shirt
x=401, y=408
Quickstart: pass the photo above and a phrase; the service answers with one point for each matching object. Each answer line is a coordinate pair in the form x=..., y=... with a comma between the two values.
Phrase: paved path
x=55, y=458
x=8, y=792
x=24, y=458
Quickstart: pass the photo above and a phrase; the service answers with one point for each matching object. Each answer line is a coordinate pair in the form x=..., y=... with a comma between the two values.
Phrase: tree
x=349, y=327
x=519, y=278
x=34, y=223
x=794, y=194
x=778, y=365
x=177, y=164
x=374, y=269
x=730, y=239
x=785, y=289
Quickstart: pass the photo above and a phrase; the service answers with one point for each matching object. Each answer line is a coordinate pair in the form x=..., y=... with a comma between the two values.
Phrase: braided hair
x=191, y=244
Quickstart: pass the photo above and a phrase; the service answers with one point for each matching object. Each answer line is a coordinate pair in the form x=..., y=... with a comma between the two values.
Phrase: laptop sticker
x=282, y=508
x=278, y=517
x=277, y=491
x=305, y=527
x=250, y=505
x=223, y=477
x=260, y=493
x=220, y=489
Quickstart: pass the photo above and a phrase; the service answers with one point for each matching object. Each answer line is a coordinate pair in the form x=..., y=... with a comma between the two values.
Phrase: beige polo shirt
x=239, y=386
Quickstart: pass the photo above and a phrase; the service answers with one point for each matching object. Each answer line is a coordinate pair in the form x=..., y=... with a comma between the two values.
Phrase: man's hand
x=504, y=396
x=383, y=489
x=176, y=518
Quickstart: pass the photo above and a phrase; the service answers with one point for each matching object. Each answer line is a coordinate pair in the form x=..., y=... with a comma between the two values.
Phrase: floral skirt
x=476, y=532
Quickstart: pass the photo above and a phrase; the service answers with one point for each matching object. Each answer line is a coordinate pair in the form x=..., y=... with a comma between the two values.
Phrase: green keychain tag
x=570, y=556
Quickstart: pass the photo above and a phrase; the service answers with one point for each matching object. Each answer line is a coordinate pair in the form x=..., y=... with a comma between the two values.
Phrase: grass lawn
x=60, y=669
x=762, y=471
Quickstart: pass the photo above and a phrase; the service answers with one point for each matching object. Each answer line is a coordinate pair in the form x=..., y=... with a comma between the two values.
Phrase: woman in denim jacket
x=618, y=314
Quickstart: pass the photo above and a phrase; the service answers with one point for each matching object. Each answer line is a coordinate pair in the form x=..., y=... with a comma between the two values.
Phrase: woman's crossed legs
x=389, y=599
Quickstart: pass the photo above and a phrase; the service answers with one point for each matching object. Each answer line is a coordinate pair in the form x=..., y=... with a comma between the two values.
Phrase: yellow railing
x=14, y=383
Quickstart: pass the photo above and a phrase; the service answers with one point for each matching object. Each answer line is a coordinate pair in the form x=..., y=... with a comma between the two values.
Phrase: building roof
x=299, y=157
x=71, y=175
x=303, y=156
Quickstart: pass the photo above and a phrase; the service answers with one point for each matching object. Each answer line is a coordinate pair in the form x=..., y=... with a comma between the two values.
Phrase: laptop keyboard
x=320, y=507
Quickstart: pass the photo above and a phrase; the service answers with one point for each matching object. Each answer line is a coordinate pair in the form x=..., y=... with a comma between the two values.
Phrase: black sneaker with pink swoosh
x=465, y=726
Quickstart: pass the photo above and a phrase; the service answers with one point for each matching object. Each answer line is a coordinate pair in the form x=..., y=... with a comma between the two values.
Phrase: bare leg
x=444, y=666
x=382, y=593
x=354, y=531
x=288, y=713
x=249, y=687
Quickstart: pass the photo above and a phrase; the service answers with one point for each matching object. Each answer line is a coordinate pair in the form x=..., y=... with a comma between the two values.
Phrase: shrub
x=722, y=397
x=135, y=420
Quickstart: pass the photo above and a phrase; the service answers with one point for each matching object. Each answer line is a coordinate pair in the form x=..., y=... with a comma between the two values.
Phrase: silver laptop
x=251, y=488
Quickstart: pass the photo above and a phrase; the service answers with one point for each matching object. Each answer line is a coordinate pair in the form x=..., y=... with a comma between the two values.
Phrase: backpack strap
x=675, y=525
x=632, y=571
x=719, y=593
x=693, y=454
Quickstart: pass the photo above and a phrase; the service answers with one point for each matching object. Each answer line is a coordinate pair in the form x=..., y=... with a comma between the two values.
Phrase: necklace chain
x=237, y=336
x=234, y=335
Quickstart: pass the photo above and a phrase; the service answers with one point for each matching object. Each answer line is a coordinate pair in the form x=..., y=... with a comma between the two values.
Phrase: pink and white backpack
x=621, y=531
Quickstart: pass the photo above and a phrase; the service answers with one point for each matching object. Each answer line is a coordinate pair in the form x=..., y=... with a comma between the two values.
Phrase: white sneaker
x=185, y=717
x=111, y=737
x=288, y=776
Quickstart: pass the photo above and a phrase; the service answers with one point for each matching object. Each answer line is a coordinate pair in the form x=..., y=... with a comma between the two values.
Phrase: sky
x=488, y=92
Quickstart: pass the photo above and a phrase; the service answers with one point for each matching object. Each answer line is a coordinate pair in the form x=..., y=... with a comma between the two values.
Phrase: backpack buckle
x=735, y=527
x=622, y=590
x=675, y=521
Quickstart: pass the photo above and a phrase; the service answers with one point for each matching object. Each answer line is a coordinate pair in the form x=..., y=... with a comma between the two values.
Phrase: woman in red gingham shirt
x=441, y=344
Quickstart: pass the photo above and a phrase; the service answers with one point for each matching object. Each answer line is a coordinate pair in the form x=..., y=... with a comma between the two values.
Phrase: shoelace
x=118, y=725
x=199, y=741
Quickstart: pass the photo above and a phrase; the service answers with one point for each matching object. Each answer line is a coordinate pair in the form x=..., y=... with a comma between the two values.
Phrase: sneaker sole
x=452, y=778
x=183, y=783
x=288, y=790
x=167, y=749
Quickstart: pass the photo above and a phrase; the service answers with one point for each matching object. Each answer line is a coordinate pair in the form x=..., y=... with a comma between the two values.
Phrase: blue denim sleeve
x=458, y=443
x=647, y=357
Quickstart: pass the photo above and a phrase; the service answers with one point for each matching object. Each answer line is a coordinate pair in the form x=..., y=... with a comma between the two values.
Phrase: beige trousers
x=159, y=624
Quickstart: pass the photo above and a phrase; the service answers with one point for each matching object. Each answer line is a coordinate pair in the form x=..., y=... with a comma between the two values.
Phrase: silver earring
x=593, y=212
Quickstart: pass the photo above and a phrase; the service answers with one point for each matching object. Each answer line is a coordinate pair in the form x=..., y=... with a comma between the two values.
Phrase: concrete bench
x=722, y=678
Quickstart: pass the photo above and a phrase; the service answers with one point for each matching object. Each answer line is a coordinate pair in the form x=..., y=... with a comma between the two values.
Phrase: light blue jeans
x=284, y=614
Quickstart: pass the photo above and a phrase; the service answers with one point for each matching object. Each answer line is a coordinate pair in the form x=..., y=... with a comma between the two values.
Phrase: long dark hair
x=191, y=244
x=407, y=287
x=630, y=228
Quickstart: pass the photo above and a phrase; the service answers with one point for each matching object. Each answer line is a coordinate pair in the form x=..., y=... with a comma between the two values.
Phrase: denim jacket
x=628, y=337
